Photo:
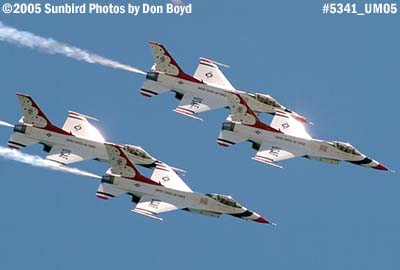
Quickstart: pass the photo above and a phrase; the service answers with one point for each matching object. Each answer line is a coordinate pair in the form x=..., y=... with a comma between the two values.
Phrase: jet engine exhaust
x=37, y=161
x=51, y=46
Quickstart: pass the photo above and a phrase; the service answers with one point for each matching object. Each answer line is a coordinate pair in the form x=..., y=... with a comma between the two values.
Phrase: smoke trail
x=2, y=123
x=51, y=46
x=40, y=162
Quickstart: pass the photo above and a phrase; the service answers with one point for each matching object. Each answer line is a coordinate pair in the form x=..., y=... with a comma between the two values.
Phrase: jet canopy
x=137, y=151
x=268, y=100
x=346, y=147
x=227, y=200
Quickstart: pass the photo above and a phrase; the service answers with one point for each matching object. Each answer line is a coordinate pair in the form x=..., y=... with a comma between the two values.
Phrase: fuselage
x=257, y=102
x=69, y=141
x=207, y=204
x=326, y=151
x=94, y=149
x=182, y=86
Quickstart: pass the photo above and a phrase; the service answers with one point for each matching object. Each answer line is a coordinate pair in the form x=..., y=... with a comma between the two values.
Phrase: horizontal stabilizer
x=19, y=140
x=106, y=191
x=227, y=139
x=152, y=88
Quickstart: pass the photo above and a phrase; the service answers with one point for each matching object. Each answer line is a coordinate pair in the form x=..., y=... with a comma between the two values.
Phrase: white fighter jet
x=285, y=138
x=76, y=141
x=165, y=191
x=202, y=92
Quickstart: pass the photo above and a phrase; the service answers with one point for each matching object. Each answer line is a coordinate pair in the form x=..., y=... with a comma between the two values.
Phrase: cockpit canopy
x=227, y=200
x=137, y=151
x=268, y=100
x=346, y=147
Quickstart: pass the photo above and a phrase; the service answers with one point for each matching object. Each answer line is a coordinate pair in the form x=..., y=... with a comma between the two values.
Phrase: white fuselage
x=79, y=145
x=192, y=201
x=312, y=148
x=71, y=142
x=183, y=86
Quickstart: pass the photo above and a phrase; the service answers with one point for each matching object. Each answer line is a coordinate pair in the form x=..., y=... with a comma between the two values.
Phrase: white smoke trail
x=40, y=162
x=51, y=46
x=2, y=123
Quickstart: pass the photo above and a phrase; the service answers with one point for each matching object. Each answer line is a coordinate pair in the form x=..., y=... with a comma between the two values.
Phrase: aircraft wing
x=166, y=176
x=208, y=72
x=151, y=207
x=79, y=125
x=66, y=156
x=192, y=104
x=269, y=154
x=288, y=125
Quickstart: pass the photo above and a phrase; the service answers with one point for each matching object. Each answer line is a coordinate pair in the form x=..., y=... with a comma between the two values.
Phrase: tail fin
x=242, y=113
x=122, y=166
x=32, y=115
x=166, y=64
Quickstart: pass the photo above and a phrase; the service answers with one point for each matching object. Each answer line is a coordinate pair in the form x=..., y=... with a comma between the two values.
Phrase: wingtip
x=83, y=115
x=22, y=95
x=213, y=62
x=154, y=42
x=146, y=213
x=263, y=160
x=184, y=113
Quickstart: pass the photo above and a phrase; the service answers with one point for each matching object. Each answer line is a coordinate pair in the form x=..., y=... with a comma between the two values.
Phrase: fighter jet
x=165, y=191
x=285, y=138
x=202, y=92
x=76, y=141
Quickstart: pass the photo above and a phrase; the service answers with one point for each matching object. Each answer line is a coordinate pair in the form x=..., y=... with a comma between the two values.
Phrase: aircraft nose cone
x=381, y=167
x=262, y=220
